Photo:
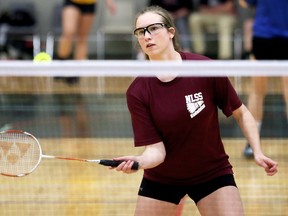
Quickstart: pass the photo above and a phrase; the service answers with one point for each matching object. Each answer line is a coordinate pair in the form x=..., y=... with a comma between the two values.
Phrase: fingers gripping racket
x=21, y=153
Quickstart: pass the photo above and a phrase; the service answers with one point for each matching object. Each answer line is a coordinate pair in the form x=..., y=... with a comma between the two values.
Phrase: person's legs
x=225, y=201
x=152, y=207
x=180, y=207
x=225, y=30
x=197, y=34
x=256, y=97
x=70, y=19
x=255, y=105
x=247, y=37
x=85, y=24
x=285, y=94
x=281, y=48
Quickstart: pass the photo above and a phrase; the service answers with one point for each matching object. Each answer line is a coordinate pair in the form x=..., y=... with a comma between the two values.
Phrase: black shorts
x=270, y=48
x=174, y=193
x=84, y=8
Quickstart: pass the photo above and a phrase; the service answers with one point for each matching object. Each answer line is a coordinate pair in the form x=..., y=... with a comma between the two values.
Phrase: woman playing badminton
x=176, y=119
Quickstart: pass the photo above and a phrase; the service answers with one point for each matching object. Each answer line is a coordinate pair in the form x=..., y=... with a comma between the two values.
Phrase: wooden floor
x=77, y=188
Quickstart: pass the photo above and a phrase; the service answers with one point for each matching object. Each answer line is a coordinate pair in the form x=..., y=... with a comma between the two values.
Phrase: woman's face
x=153, y=35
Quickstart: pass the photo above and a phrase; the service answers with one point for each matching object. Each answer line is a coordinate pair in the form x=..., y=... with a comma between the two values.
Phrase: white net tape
x=144, y=68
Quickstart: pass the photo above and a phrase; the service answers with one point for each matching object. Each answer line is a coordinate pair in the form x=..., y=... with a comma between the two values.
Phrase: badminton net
x=86, y=116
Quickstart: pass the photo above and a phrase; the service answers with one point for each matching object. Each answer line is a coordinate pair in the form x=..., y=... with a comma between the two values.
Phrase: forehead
x=148, y=18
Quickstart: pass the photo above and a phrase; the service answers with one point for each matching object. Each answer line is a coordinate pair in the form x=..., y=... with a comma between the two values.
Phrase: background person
x=77, y=20
x=270, y=42
x=219, y=14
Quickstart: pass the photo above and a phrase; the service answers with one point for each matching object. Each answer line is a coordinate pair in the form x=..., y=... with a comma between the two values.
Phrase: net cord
x=132, y=68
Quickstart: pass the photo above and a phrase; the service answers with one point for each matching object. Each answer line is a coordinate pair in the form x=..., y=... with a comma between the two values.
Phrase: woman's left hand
x=270, y=166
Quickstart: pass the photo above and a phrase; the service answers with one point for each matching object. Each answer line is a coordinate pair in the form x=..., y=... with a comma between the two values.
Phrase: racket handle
x=114, y=163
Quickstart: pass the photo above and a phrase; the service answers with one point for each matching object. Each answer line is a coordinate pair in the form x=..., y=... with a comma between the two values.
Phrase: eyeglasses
x=151, y=29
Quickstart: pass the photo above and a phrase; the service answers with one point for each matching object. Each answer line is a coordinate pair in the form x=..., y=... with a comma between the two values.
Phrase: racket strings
x=19, y=153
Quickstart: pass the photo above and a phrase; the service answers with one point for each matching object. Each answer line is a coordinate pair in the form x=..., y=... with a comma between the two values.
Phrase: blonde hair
x=167, y=20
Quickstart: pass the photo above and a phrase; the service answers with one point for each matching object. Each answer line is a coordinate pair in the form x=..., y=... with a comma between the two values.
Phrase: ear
x=171, y=31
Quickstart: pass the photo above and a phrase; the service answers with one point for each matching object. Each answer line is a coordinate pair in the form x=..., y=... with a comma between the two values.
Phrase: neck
x=170, y=75
x=171, y=55
x=166, y=78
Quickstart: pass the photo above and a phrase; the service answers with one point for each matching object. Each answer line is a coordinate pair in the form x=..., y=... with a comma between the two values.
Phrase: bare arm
x=152, y=156
x=248, y=126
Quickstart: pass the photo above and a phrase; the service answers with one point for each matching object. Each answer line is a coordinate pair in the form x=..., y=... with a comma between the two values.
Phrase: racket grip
x=114, y=163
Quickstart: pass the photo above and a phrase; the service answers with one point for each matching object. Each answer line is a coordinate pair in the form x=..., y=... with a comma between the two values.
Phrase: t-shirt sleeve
x=145, y=132
x=227, y=98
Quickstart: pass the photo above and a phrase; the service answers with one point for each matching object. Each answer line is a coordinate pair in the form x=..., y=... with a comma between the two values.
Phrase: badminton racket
x=21, y=153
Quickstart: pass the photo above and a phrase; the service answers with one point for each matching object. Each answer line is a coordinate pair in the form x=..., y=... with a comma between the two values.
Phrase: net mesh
x=88, y=118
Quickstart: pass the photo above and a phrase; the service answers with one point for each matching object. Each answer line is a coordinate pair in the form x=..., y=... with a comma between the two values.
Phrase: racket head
x=20, y=153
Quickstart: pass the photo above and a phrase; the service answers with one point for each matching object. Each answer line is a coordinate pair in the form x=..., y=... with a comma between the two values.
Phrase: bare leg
x=285, y=93
x=74, y=23
x=225, y=201
x=247, y=34
x=70, y=17
x=151, y=207
x=85, y=24
x=255, y=105
x=180, y=207
x=256, y=97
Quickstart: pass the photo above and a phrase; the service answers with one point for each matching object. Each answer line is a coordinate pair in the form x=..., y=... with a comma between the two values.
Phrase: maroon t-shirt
x=183, y=114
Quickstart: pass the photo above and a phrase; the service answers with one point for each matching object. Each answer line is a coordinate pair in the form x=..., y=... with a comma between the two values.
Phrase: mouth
x=150, y=45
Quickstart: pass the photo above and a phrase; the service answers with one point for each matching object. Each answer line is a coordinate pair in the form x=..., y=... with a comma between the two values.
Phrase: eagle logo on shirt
x=194, y=103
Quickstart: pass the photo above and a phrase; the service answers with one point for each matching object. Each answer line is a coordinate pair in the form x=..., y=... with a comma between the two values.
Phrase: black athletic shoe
x=248, y=152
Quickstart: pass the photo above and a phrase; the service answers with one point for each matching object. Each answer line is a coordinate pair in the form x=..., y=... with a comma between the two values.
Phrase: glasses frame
x=145, y=29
